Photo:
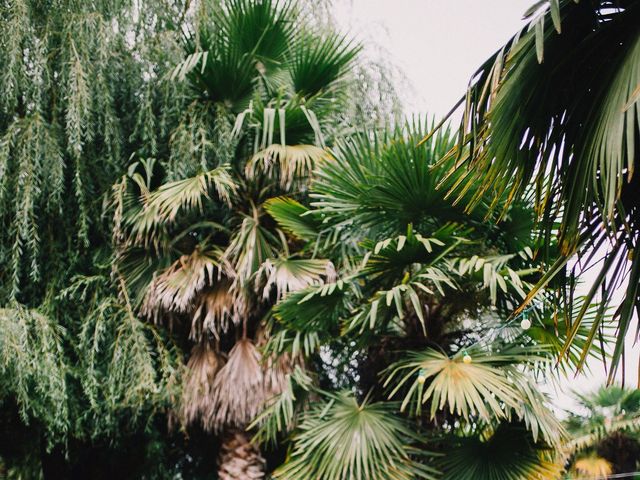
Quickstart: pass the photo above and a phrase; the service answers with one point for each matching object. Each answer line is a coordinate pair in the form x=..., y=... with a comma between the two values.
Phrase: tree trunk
x=239, y=458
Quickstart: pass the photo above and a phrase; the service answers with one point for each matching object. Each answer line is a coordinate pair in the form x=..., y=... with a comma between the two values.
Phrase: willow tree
x=74, y=82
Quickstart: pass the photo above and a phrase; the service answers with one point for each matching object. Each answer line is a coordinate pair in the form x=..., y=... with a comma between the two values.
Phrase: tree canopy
x=224, y=255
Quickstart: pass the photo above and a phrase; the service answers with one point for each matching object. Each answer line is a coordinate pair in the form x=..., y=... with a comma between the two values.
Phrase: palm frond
x=250, y=246
x=344, y=439
x=176, y=288
x=288, y=274
x=539, y=118
x=216, y=307
x=316, y=64
x=280, y=413
x=286, y=163
x=161, y=207
x=238, y=389
x=292, y=217
x=488, y=386
x=507, y=453
x=308, y=315
x=599, y=432
x=247, y=40
x=244, y=385
x=549, y=328
x=392, y=256
x=197, y=392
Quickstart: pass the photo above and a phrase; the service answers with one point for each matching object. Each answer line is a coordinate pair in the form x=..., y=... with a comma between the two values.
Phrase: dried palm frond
x=176, y=289
x=277, y=367
x=216, y=307
x=286, y=162
x=277, y=370
x=238, y=389
x=197, y=394
x=291, y=274
x=593, y=467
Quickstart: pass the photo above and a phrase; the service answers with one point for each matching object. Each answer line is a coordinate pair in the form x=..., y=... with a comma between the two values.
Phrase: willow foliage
x=84, y=87
x=32, y=366
x=71, y=81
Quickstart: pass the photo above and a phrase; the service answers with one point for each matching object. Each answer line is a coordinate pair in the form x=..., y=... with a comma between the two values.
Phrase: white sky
x=439, y=44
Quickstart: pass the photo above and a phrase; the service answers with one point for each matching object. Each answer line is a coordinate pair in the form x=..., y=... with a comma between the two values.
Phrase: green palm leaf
x=317, y=63
x=292, y=217
x=540, y=118
x=344, y=439
x=162, y=206
x=489, y=386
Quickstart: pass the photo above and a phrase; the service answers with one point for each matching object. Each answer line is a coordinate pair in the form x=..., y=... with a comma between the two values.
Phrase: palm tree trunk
x=239, y=458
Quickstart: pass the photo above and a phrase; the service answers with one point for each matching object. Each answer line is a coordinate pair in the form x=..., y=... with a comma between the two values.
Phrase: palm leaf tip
x=576, y=148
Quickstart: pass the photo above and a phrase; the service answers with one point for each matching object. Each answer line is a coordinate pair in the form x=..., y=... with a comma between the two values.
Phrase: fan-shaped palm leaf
x=197, y=394
x=287, y=163
x=238, y=389
x=176, y=289
x=161, y=207
x=317, y=63
x=488, y=386
x=291, y=274
x=216, y=307
x=344, y=439
x=504, y=454
x=250, y=246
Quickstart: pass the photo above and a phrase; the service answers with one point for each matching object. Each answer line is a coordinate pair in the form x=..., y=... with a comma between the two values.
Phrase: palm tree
x=416, y=326
x=605, y=438
x=196, y=248
x=556, y=113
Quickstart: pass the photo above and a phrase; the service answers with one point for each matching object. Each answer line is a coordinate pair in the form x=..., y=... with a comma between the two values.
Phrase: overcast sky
x=439, y=44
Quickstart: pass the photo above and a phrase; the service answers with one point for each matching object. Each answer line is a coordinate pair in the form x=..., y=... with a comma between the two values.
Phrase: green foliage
x=344, y=439
x=70, y=80
x=127, y=370
x=420, y=284
x=82, y=88
x=32, y=367
x=526, y=132
x=609, y=410
x=161, y=190
x=292, y=217
x=280, y=413
x=506, y=453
